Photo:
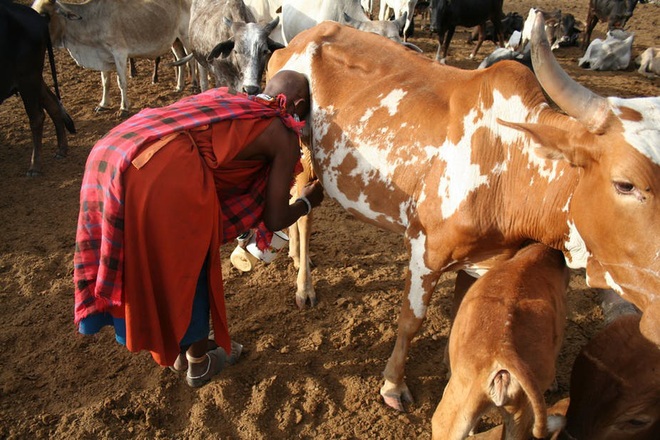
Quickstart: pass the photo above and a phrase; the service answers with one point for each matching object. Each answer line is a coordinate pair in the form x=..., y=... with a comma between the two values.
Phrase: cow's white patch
x=371, y=165
x=461, y=176
x=302, y=63
x=368, y=113
x=418, y=271
x=391, y=101
x=576, y=248
x=613, y=284
x=642, y=135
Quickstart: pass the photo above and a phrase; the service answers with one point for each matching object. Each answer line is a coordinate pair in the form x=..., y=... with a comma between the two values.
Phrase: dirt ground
x=312, y=373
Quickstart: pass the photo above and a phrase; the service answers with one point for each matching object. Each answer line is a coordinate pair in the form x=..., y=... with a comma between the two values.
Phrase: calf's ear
x=554, y=143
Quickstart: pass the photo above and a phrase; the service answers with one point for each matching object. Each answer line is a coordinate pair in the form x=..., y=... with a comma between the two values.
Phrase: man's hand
x=313, y=191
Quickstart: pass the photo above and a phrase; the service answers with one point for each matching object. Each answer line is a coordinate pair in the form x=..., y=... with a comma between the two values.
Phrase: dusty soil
x=312, y=373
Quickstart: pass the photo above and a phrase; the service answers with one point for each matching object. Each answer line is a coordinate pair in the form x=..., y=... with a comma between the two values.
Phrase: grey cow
x=226, y=40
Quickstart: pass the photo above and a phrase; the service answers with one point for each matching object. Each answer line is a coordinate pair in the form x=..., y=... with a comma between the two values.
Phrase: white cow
x=387, y=28
x=649, y=62
x=268, y=10
x=398, y=7
x=103, y=34
x=613, y=53
x=298, y=15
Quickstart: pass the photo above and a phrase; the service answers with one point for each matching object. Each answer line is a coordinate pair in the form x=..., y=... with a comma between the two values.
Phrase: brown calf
x=503, y=346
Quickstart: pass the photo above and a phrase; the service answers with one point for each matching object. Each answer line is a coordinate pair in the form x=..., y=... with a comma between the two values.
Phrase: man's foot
x=180, y=364
x=200, y=373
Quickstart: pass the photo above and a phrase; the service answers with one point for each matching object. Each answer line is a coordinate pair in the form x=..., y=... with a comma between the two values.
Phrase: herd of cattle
x=474, y=168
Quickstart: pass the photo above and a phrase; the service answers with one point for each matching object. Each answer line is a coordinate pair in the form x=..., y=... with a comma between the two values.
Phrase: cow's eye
x=633, y=423
x=624, y=188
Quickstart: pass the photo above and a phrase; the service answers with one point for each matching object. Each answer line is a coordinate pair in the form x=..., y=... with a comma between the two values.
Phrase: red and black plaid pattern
x=98, y=257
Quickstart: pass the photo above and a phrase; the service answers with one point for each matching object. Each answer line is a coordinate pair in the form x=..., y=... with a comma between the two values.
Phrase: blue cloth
x=198, y=328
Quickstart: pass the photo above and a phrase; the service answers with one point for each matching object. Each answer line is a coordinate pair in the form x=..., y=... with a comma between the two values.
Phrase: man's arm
x=279, y=145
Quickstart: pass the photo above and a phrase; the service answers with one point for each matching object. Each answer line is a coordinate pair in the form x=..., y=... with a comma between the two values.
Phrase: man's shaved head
x=295, y=87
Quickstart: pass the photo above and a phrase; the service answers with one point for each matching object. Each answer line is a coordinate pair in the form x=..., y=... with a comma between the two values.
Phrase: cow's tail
x=68, y=121
x=51, y=60
x=518, y=370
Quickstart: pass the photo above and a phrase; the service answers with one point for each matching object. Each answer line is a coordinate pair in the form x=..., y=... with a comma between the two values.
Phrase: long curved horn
x=579, y=102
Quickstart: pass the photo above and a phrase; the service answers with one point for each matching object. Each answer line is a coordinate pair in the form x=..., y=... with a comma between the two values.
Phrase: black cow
x=614, y=12
x=446, y=15
x=23, y=42
x=568, y=32
x=511, y=22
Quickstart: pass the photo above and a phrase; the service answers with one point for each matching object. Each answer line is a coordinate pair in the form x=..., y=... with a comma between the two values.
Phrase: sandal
x=216, y=360
x=181, y=362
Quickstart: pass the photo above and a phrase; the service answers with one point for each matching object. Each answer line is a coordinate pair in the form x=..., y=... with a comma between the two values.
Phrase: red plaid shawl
x=99, y=256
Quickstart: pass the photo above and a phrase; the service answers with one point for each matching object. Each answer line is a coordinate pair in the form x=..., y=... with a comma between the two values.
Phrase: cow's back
x=396, y=130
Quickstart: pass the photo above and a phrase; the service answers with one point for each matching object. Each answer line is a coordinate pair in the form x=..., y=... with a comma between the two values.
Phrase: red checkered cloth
x=98, y=257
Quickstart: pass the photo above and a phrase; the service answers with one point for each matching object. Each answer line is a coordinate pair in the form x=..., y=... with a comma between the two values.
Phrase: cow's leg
x=480, y=40
x=443, y=46
x=120, y=61
x=305, y=287
x=382, y=10
x=592, y=21
x=299, y=239
x=459, y=410
x=518, y=418
x=203, y=77
x=462, y=284
x=420, y=283
x=179, y=52
x=498, y=32
x=154, y=74
x=131, y=68
x=105, y=99
x=55, y=111
x=30, y=94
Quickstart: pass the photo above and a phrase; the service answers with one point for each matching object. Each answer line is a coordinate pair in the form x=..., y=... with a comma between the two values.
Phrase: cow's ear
x=274, y=45
x=68, y=14
x=223, y=49
x=554, y=143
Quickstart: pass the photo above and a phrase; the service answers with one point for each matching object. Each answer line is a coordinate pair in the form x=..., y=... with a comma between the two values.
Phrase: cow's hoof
x=60, y=155
x=101, y=109
x=394, y=396
x=123, y=113
x=301, y=301
x=33, y=173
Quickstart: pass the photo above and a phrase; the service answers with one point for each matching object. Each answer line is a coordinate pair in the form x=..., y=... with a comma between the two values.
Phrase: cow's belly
x=92, y=58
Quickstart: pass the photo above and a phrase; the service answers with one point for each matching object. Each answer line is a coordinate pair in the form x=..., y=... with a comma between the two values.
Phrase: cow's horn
x=576, y=100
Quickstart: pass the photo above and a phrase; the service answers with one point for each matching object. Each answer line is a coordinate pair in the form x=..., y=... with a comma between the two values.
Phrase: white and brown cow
x=467, y=164
x=503, y=346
